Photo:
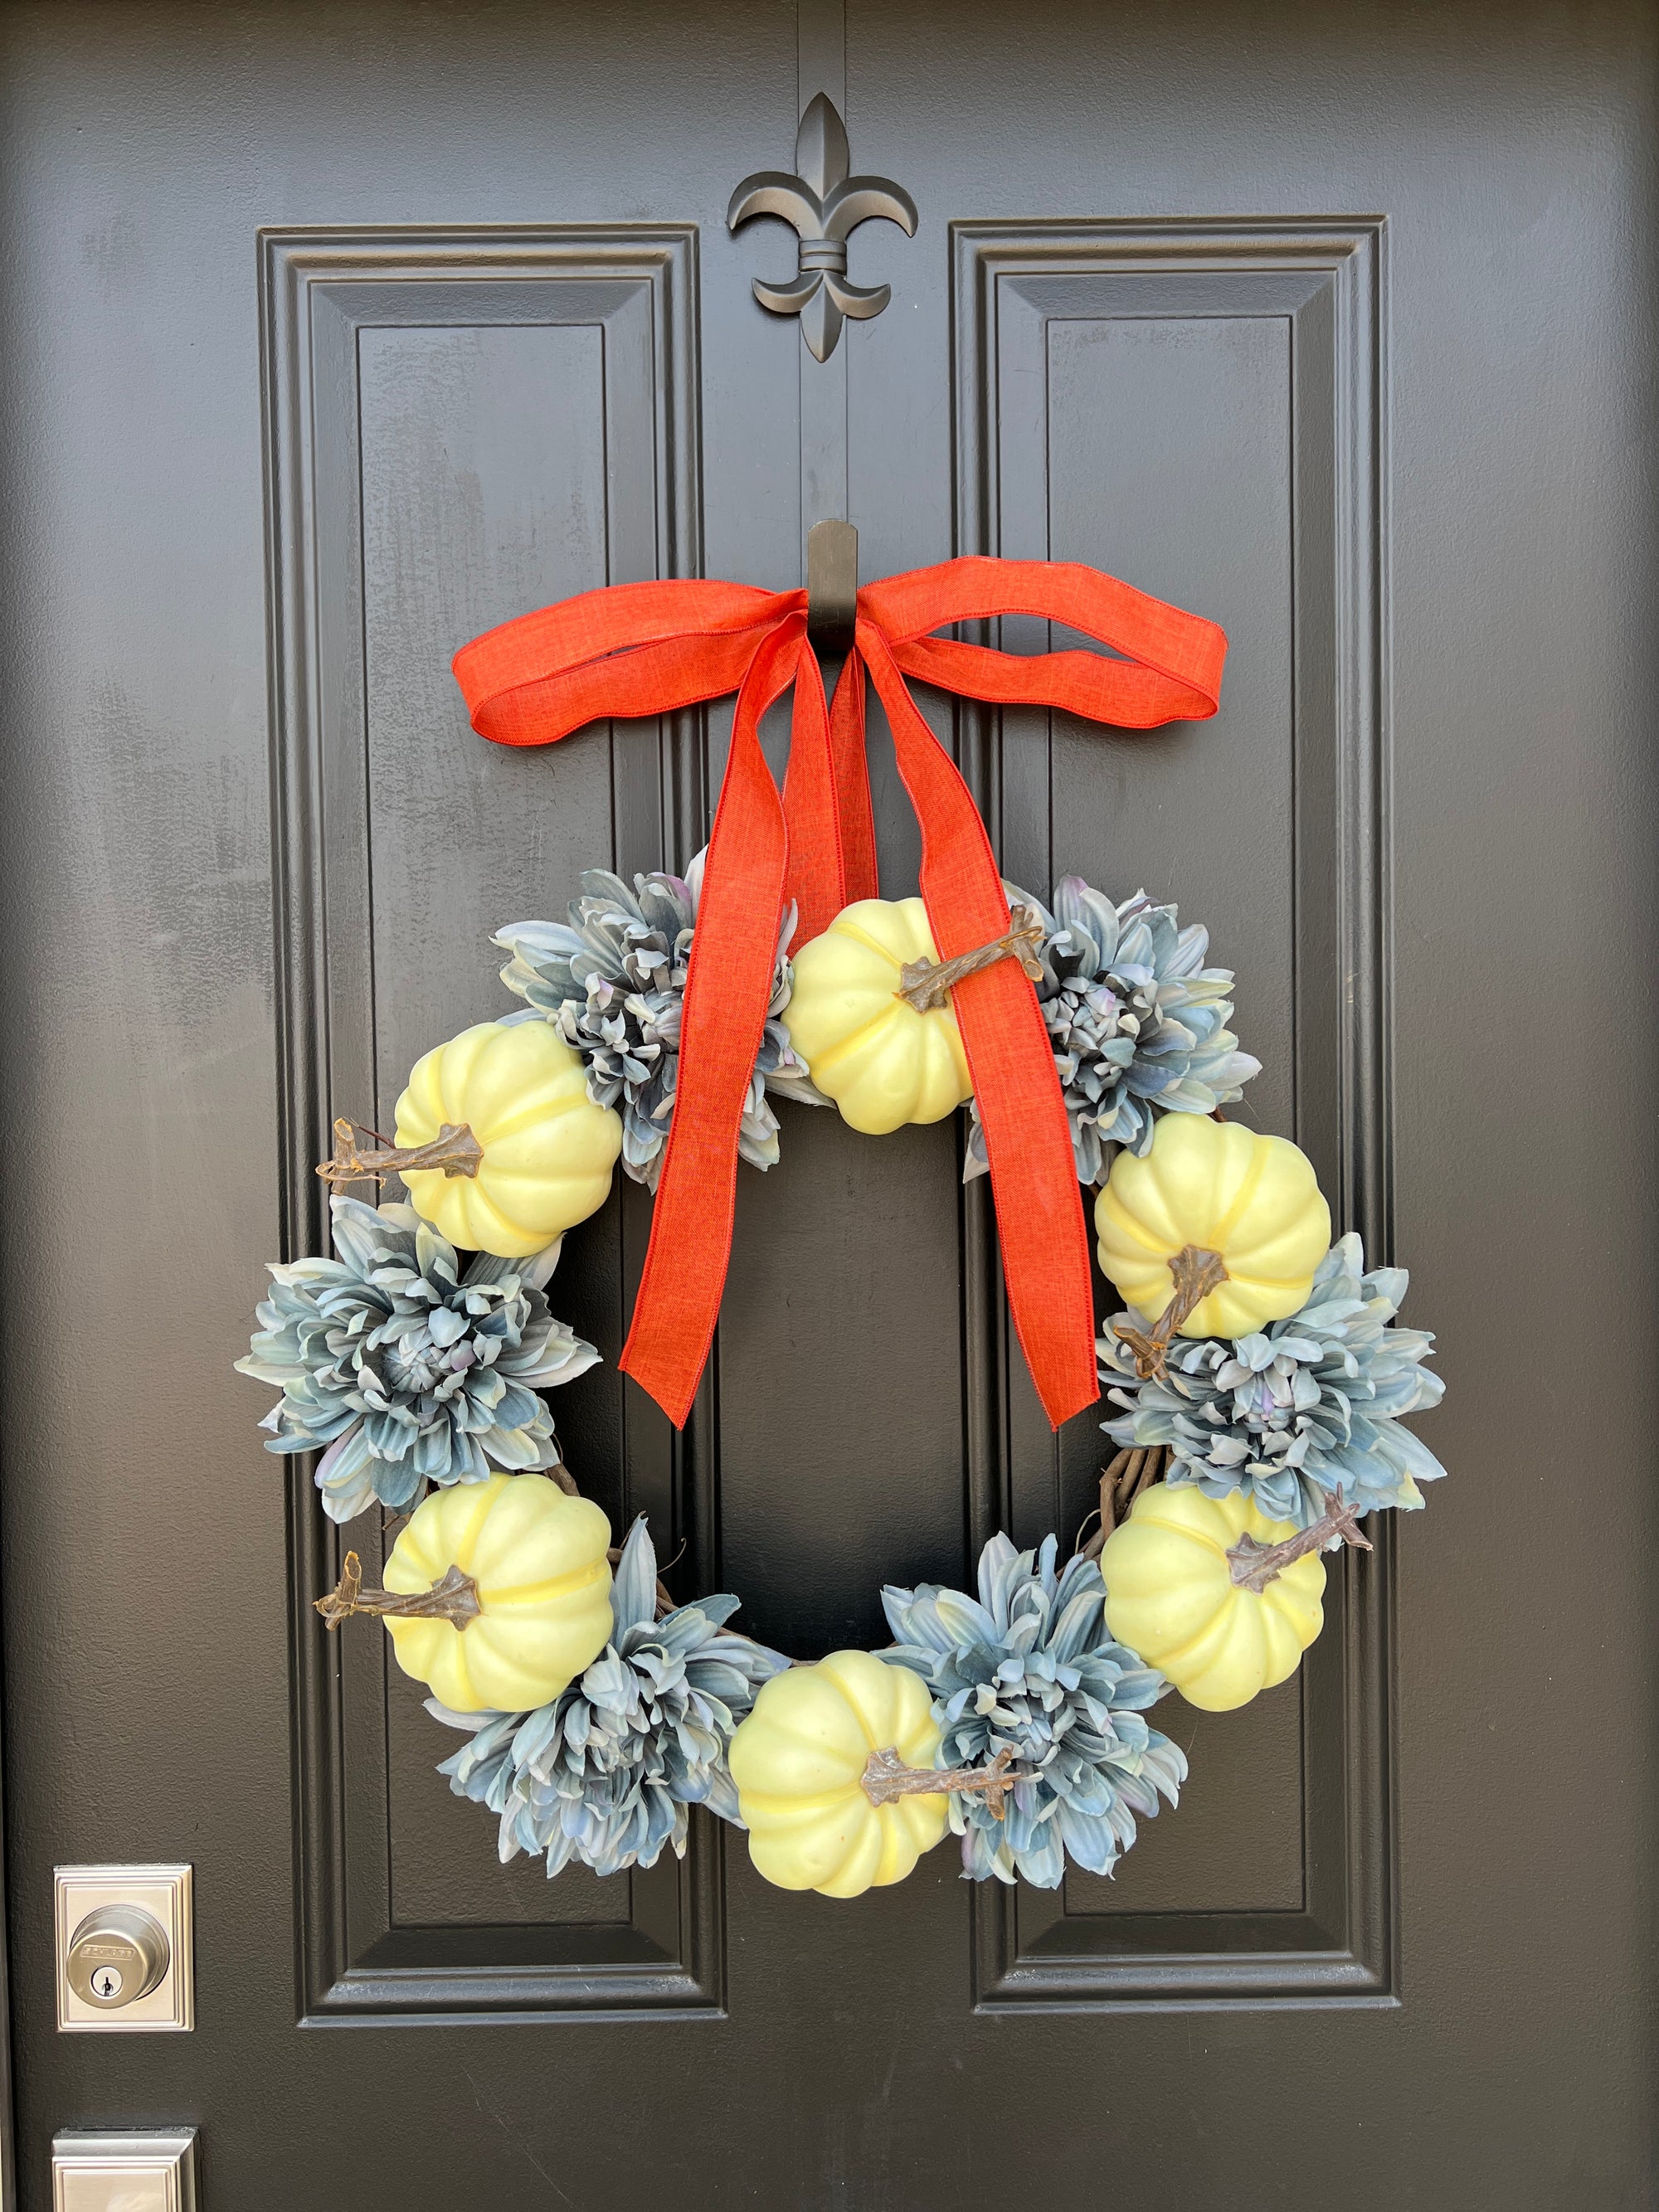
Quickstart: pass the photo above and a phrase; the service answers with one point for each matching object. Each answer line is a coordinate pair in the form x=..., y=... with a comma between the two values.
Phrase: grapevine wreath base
x=1256, y=1382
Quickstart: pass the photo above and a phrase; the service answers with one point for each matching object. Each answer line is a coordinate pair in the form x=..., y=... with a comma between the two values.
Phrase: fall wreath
x=1255, y=1383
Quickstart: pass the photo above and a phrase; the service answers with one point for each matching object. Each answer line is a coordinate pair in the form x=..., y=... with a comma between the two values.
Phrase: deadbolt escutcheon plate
x=125, y=1949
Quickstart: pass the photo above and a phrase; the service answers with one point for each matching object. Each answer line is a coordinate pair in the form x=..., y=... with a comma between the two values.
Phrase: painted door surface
x=335, y=335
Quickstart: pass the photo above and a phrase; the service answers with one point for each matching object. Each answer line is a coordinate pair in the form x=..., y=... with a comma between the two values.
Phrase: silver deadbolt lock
x=125, y=1949
x=116, y=1955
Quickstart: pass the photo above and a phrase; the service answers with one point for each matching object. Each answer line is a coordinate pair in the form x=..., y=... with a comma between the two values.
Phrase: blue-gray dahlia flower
x=1138, y=1022
x=1298, y=1410
x=1032, y=1669
x=402, y=1368
x=604, y=1774
x=612, y=980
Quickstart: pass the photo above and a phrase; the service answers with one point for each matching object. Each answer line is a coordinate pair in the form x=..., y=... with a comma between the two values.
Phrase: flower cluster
x=612, y=979
x=1298, y=1410
x=604, y=1773
x=402, y=1368
x=1138, y=1022
x=1031, y=1669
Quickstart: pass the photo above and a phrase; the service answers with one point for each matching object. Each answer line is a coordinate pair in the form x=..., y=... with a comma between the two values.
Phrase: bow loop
x=1172, y=662
x=627, y=651
x=647, y=649
x=1124, y=692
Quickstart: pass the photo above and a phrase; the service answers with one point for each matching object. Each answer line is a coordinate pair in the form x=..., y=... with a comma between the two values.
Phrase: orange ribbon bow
x=647, y=649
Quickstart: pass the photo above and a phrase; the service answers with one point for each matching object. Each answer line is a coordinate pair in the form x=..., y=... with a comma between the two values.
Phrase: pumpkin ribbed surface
x=798, y=1763
x=537, y=1556
x=1222, y=1188
x=548, y=1149
x=1170, y=1596
x=882, y=1062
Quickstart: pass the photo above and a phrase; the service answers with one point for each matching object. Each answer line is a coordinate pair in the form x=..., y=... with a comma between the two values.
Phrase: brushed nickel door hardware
x=124, y=1937
x=824, y=205
x=138, y=2171
x=116, y=1955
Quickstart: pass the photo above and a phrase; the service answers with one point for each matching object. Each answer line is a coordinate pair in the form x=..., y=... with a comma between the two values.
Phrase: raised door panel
x=462, y=426
x=1113, y=382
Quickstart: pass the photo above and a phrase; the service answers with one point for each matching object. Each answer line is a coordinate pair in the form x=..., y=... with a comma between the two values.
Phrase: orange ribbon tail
x=646, y=649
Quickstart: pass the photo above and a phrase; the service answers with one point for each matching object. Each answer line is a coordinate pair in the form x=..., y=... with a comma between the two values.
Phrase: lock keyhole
x=118, y=1953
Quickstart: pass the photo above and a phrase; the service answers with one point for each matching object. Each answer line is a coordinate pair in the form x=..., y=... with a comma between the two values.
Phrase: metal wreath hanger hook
x=824, y=204
x=832, y=585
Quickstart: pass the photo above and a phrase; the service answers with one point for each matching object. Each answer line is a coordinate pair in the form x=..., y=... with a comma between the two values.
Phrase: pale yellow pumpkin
x=1170, y=1596
x=799, y=1762
x=548, y=1149
x=1221, y=1188
x=537, y=1556
x=882, y=1062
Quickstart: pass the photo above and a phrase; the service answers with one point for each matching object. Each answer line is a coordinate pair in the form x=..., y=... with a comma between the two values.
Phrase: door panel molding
x=345, y=709
x=1018, y=289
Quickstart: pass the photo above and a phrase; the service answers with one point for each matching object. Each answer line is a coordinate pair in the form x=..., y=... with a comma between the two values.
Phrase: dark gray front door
x=334, y=335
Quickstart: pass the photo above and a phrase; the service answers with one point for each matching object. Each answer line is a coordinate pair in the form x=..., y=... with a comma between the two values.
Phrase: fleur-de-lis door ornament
x=825, y=205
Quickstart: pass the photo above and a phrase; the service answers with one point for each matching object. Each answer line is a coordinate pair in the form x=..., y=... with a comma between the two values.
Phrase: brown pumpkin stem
x=886, y=1778
x=1197, y=1272
x=925, y=984
x=454, y=1599
x=1135, y=1469
x=1253, y=1564
x=455, y=1149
